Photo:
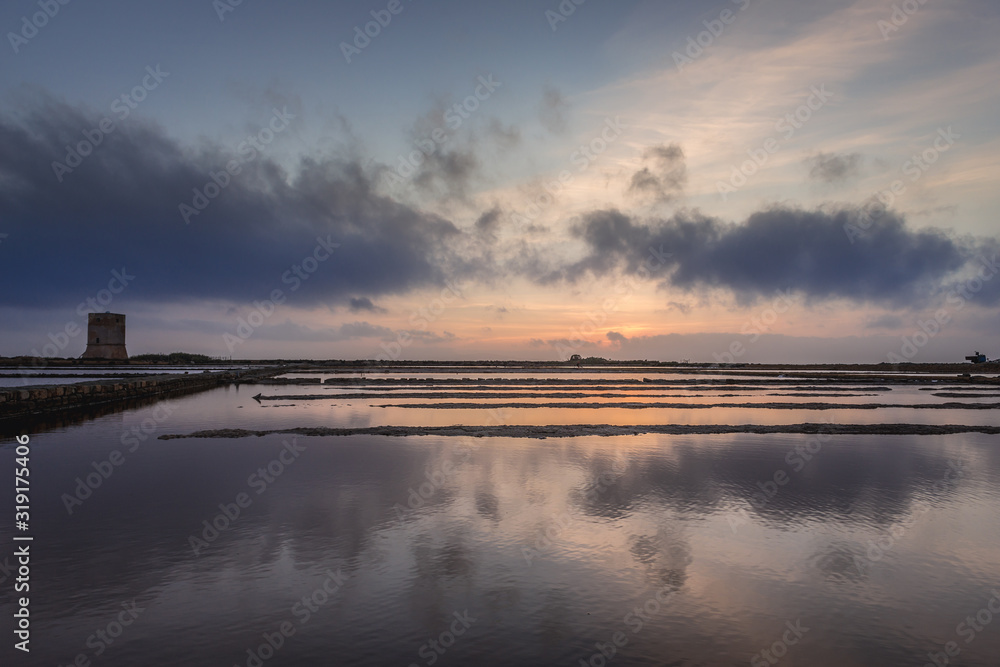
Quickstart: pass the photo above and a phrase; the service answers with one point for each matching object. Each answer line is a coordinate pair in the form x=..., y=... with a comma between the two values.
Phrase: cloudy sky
x=748, y=180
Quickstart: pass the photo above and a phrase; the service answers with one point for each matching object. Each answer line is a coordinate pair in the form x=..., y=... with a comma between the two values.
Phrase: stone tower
x=106, y=337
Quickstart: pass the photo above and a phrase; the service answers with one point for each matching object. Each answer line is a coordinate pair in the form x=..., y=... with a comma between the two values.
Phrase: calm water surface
x=508, y=551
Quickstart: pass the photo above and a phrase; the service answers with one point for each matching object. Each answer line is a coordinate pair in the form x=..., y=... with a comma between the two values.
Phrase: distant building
x=575, y=357
x=977, y=358
x=106, y=337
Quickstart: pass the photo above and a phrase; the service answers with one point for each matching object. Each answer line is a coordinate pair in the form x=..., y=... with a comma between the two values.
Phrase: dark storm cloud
x=980, y=285
x=452, y=149
x=120, y=208
x=553, y=110
x=779, y=249
x=489, y=222
x=616, y=337
x=833, y=168
x=682, y=308
x=664, y=176
x=364, y=304
x=506, y=137
x=448, y=171
x=119, y=211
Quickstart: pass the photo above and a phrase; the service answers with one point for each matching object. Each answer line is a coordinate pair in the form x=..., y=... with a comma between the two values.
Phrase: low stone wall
x=23, y=402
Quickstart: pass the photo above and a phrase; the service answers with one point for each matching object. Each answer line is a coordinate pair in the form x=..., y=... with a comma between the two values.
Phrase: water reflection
x=548, y=544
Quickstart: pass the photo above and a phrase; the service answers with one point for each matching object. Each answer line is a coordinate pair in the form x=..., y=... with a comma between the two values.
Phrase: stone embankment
x=29, y=401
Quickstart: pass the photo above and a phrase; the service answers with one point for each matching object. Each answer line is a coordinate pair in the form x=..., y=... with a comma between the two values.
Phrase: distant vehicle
x=977, y=358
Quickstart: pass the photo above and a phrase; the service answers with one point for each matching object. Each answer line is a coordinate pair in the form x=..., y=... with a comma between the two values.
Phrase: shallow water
x=875, y=547
x=366, y=412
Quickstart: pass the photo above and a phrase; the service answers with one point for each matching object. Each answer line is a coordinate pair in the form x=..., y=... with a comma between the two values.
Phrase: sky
x=729, y=181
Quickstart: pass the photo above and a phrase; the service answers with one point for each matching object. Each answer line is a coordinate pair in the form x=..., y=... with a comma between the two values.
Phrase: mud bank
x=603, y=430
x=604, y=386
x=828, y=381
x=443, y=394
x=293, y=381
x=698, y=406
